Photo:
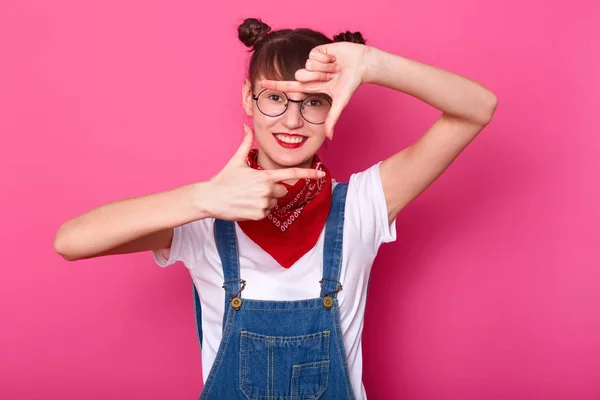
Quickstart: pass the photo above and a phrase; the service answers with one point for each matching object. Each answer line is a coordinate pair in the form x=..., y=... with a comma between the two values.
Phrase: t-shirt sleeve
x=180, y=246
x=366, y=208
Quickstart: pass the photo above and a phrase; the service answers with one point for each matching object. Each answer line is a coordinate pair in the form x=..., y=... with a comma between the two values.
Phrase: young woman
x=280, y=253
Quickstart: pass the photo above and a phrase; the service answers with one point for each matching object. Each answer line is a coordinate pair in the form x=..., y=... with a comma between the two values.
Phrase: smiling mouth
x=290, y=139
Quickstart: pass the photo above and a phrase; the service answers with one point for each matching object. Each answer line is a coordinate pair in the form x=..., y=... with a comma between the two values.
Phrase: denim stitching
x=243, y=365
x=342, y=352
x=323, y=365
x=269, y=360
x=232, y=322
x=284, y=339
x=281, y=309
x=272, y=346
x=339, y=338
x=220, y=353
x=217, y=363
x=270, y=341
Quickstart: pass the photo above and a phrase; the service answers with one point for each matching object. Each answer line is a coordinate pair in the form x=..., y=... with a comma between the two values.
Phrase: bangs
x=281, y=57
x=286, y=61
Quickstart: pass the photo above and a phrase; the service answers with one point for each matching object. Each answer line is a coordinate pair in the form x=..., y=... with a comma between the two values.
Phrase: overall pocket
x=292, y=367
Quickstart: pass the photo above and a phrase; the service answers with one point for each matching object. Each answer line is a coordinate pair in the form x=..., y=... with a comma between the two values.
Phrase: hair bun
x=352, y=37
x=252, y=31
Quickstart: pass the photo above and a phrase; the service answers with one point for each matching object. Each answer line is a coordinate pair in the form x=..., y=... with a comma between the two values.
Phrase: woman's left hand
x=336, y=69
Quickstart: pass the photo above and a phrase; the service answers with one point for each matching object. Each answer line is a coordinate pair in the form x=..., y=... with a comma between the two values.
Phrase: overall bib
x=278, y=350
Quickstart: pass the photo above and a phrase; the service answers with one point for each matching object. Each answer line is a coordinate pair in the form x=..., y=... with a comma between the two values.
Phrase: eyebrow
x=304, y=94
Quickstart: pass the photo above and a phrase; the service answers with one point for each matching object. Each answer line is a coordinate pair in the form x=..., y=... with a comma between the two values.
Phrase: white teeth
x=288, y=139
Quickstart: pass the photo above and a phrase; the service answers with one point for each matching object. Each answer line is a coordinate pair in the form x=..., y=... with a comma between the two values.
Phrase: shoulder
x=366, y=209
x=368, y=179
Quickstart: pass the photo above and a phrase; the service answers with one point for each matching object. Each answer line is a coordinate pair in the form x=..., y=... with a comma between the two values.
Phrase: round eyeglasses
x=314, y=108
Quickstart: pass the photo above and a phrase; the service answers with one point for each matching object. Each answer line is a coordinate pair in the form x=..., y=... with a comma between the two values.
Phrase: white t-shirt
x=365, y=229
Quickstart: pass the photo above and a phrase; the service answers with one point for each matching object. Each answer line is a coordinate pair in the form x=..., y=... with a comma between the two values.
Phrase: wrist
x=200, y=200
x=373, y=63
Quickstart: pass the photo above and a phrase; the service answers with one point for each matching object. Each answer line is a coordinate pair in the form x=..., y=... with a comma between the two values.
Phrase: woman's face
x=274, y=134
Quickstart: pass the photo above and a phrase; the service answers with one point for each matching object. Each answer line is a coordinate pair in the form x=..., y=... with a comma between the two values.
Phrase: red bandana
x=293, y=226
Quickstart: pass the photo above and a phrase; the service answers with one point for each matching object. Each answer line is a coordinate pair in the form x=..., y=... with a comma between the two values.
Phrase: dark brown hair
x=279, y=54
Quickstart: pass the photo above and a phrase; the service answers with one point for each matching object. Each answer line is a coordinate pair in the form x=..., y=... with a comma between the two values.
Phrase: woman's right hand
x=239, y=192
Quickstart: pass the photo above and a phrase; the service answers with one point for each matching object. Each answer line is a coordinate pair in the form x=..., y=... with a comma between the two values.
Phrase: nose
x=292, y=118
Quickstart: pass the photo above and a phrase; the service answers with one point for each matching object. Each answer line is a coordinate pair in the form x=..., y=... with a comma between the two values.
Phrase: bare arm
x=131, y=225
x=236, y=193
x=467, y=107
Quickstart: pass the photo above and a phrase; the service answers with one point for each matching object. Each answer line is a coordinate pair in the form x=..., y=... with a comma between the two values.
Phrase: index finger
x=294, y=173
x=283, y=86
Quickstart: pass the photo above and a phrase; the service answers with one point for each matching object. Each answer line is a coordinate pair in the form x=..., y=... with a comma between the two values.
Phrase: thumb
x=334, y=114
x=241, y=155
x=322, y=53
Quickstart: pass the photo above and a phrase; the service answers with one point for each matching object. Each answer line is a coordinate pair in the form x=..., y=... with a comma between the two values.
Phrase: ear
x=247, y=97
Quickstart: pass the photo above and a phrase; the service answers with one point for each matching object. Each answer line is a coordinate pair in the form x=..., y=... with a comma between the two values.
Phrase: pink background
x=492, y=290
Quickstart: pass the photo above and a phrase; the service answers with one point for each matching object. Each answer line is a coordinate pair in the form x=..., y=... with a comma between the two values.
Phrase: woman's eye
x=275, y=97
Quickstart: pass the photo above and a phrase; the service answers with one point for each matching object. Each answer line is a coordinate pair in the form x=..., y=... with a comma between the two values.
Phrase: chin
x=293, y=158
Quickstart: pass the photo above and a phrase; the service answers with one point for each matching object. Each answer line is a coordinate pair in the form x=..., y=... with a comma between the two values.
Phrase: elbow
x=490, y=105
x=60, y=246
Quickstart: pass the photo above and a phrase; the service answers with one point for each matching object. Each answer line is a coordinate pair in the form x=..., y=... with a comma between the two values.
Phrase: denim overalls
x=277, y=350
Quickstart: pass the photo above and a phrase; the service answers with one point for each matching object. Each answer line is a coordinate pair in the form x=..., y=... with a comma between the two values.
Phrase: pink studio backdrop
x=492, y=289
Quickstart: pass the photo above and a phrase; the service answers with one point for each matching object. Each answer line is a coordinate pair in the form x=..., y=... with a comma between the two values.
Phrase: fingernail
x=321, y=174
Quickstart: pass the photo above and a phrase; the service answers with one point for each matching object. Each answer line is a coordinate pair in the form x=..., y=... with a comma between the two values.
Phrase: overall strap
x=198, y=315
x=334, y=238
x=227, y=247
x=226, y=241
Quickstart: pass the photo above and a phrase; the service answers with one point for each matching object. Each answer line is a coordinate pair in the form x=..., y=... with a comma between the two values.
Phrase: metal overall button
x=327, y=302
x=327, y=299
x=236, y=303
